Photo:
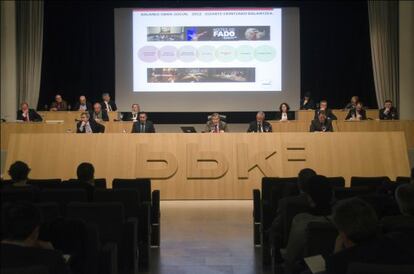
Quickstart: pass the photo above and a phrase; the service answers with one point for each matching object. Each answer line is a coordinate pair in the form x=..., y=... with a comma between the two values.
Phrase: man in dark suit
x=260, y=125
x=388, y=112
x=359, y=240
x=107, y=103
x=323, y=106
x=143, y=126
x=358, y=113
x=87, y=125
x=133, y=115
x=21, y=247
x=27, y=114
x=352, y=104
x=59, y=104
x=307, y=102
x=98, y=114
x=215, y=125
x=321, y=123
x=82, y=104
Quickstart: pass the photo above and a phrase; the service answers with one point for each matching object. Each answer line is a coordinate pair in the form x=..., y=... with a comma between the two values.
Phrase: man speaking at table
x=143, y=126
x=260, y=125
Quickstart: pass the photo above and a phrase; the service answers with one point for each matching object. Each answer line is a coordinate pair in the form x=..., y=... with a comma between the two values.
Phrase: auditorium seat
x=50, y=211
x=320, y=238
x=374, y=182
x=18, y=194
x=133, y=209
x=363, y=268
x=99, y=183
x=44, y=183
x=403, y=180
x=62, y=197
x=143, y=186
x=37, y=269
x=5, y=183
x=113, y=229
x=342, y=193
x=337, y=181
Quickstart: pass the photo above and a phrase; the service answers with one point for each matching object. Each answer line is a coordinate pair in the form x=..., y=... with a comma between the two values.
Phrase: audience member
x=321, y=123
x=388, y=112
x=21, y=247
x=87, y=125
x=82, y=104
x=307, y=102
x=283, y=114
x=144, y=125
x=98, y=114
x=133, y=115
x=19, y=172
x=107, y=104
x=59, y=104
x=359, y=239
x=323, y=106
x=260, y=125
x=86, y=178
x=215, y=125
x=27, y=114
x=357, y=113
x=352, y=104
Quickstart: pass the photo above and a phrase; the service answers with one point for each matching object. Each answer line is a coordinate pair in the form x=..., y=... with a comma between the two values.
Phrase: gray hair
x=261, y=113
x=356, y=219
x=404, y=195
x=105, y=94
x=215, y=115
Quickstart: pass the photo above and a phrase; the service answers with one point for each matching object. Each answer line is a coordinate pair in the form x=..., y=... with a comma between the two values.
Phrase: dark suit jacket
x=375, y=251
x=96, y=127
x=127, y=116
x=19, y=256
x=309, y=105
x=111, y=103
x=391, y=115
x=222, y=126
x=267, y=127
x=149, y=127
x=88, y=106
x=63, y=105
x=352, y=112
x=105, y=116
x=33, y=116
x=317, y=126
x=290, y=115
x=328, y=112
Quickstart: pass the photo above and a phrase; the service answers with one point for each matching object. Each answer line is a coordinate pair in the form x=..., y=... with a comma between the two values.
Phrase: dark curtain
x=78, y=54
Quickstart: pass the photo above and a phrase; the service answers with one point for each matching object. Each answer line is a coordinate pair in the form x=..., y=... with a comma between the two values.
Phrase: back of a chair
x=143, y=186
x=44, y=183
x=363, y=268
x=99, y=183
x=108, y=217
x=342, y=193
x=18, y=194
x=50, y=211
x=63, y=197
x=337, y=181
x=270, y=183
x=403, y=180
x=320, y=238
x=5, y=183
x=128, y=197
x=369, y=181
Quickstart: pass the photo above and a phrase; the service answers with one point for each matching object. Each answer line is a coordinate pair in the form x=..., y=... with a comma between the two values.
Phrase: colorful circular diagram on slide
x=225, y=54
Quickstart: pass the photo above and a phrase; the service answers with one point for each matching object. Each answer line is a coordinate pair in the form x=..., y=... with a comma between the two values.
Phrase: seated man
x=352, y=104
x=359, y=240
x=98, y=114
x=260, y=125
x=21, y=247
x=323, y=106
x=358, y=113
x=307, y=102
x=27, y=114
x=133, y=115
x=107, y=103
x=143, y=126
x=59, y=104
x=82, y=104
x=87, y=125
x=388, y=112
x=19, y=172
x=321, y=123
x=86, y=179
x=215, y=125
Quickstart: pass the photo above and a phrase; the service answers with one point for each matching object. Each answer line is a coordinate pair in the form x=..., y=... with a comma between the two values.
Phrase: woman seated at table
x=357, y=113
x=284, y=114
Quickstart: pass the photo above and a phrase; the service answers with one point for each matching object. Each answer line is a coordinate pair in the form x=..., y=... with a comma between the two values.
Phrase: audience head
x=322, y=116
x=106, y=97
x=142, y=117
x=24, y=106
x=97, y=107
x=355, y=220
x=307, y=95
x=85, y=172
x=82, y=99
x=215, y=118
x=405, y=199
x=303, y=176
x=320, y=192
x=260, y=116
x=84, y=117
x=388, y=104
x=323, y=105
x=284, y=107
x=354, y=100
x=19, y=171
x=21, y=222
x=58, y=98
x=135, y=108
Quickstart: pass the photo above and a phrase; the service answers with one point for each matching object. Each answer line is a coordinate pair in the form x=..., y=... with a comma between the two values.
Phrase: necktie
x=108, y=106
x=142, y=127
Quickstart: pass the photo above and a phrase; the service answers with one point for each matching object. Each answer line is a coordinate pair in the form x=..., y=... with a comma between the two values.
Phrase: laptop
x=188, y=129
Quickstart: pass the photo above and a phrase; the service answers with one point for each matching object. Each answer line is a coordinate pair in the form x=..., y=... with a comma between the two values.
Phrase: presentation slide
x=207, y=49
